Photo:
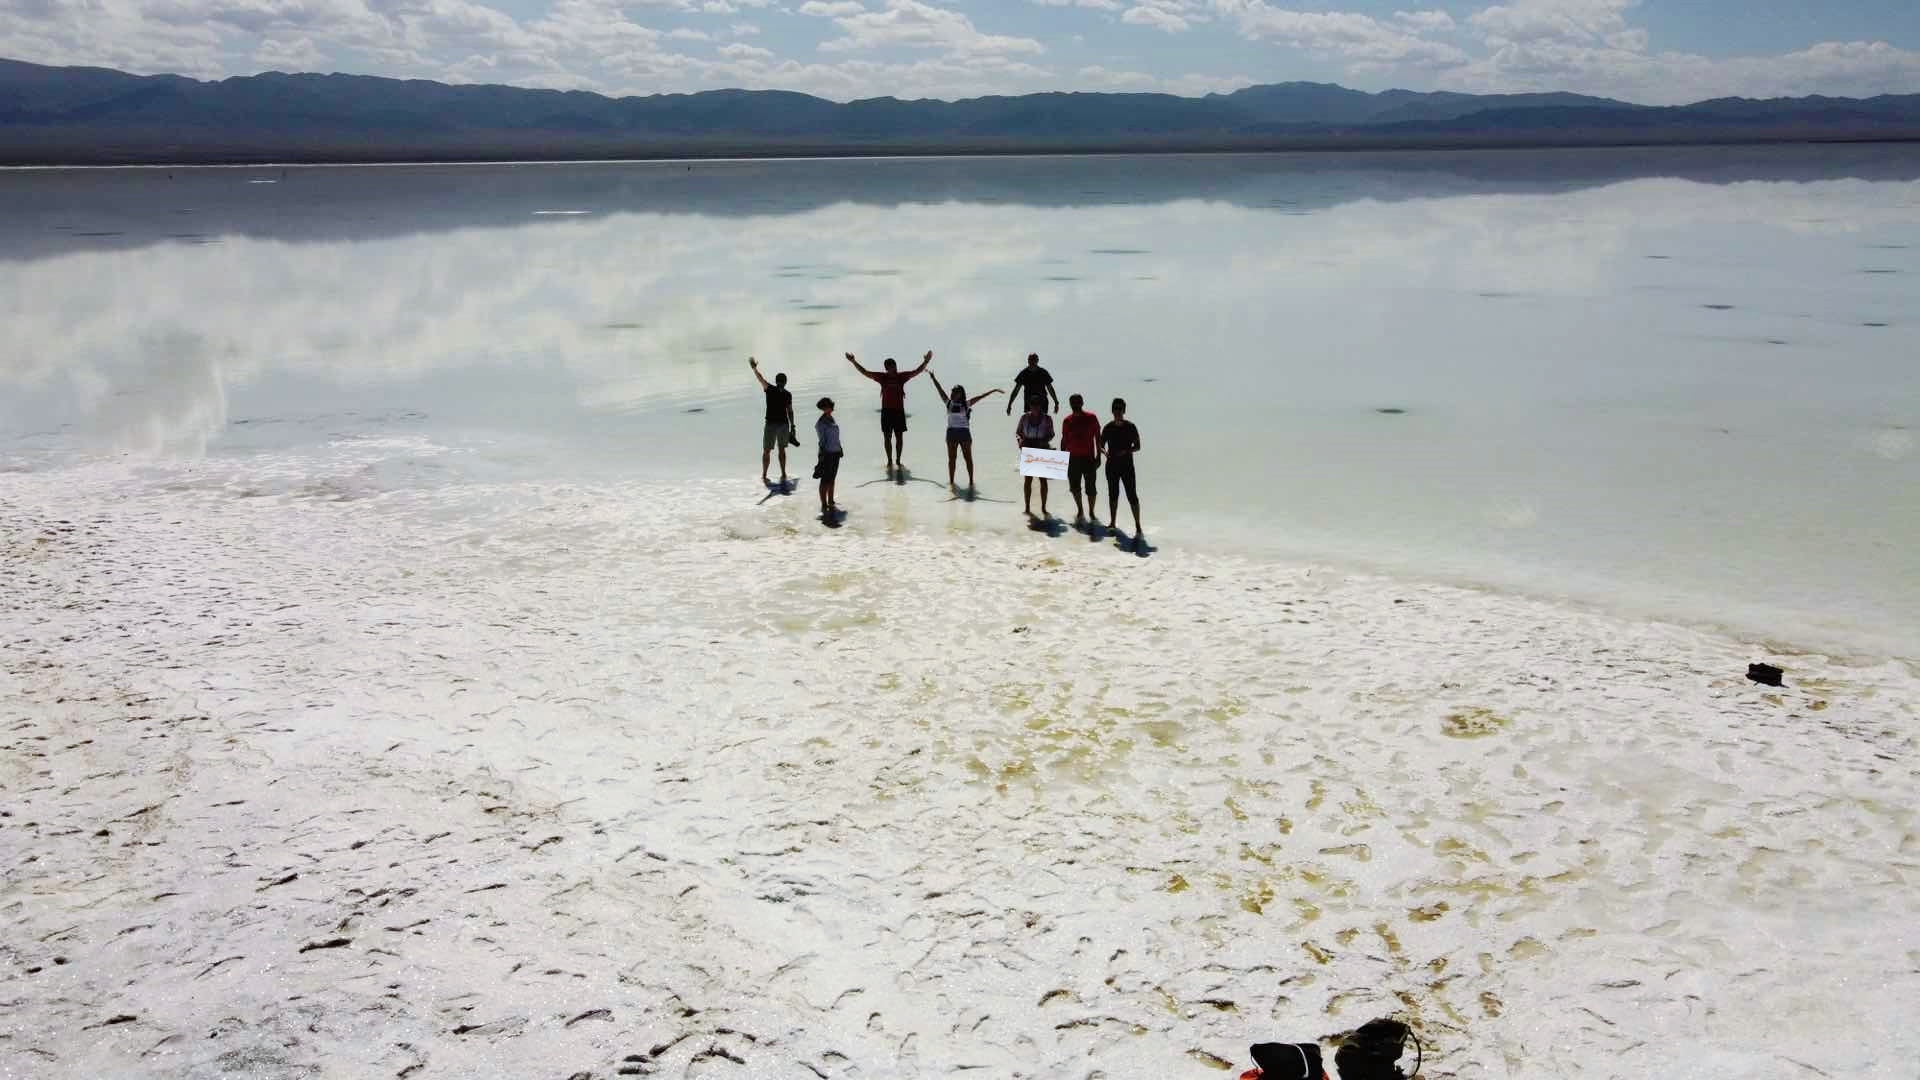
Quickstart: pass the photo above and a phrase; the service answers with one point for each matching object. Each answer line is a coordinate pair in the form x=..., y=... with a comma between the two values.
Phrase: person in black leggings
x=1121, y=440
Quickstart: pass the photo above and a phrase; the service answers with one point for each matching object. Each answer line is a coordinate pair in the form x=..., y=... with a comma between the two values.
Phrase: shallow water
x=1675, y=382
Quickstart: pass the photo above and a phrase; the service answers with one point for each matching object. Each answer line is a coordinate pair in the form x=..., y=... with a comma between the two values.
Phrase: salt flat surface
x=309, y=773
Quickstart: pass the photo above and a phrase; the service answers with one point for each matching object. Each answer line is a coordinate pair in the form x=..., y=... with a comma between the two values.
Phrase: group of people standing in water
x=1088, y=444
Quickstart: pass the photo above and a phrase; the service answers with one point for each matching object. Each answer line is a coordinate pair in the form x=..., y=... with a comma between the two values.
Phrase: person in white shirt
x=959, y=425
x=1035, y=431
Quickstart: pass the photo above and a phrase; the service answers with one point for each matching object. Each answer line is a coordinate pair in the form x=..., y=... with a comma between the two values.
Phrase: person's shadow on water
x=1050, y=525
x=776, y=487
x=899, y=477
x=1136, y=545
x=970, y=494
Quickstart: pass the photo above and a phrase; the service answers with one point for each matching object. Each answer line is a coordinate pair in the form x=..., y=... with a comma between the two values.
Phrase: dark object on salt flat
x=1391, y=411
x=1764, y=674
x=1288, y=1061
x=1373, y=1052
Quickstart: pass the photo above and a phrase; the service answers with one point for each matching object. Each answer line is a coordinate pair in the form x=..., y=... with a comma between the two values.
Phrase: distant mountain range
x=52, y=115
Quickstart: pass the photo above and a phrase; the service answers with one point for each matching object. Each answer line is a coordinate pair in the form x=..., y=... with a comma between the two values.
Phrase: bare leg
x=953, y=451
x=968, y=449
x=783, y=465
x=900, y=449
x=1043, y=496
x=1073, y=489
x=767, y=456
x=1026, y=490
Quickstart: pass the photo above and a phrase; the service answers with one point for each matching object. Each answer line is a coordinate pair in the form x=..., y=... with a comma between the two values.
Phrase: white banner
x=1047, y=464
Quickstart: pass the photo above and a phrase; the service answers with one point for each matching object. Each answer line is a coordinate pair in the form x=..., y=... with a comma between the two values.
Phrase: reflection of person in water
x=893, y=404
x=959, y=424
x=779, y=428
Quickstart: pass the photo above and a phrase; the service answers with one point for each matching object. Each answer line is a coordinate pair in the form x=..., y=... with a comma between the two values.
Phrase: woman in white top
x=1035, y=431
x=959, y=425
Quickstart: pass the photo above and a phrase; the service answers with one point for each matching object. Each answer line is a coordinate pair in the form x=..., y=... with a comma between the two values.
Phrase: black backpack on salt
x=1288, y=1061
x=1373, y=1052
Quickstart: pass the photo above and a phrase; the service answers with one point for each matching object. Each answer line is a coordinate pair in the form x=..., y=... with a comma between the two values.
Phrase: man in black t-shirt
x=1121, y=440
x=1033, y=384
x=779, y=430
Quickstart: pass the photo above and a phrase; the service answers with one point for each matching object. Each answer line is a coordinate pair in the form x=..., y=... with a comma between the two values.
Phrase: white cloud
x=834, y=10
x=1341, y=35
x=913, y=24
x=687, y=33
x=1425, y=22
x=743, y=29
x=1590, y=46
x=1099, y=77
x=738, y=51
x=1102, y=5
x=1160, y=18
x=1553, y=20
x=289, y=54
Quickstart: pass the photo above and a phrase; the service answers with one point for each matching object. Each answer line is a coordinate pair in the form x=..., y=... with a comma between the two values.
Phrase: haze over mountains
x=94, y=115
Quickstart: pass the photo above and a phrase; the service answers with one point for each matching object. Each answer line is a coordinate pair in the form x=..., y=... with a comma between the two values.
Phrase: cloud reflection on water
x=1609, y=368
x=1240, y=290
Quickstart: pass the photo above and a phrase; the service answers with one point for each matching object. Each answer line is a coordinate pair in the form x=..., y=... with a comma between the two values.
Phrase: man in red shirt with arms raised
x=1080, y=438
x=893, y=404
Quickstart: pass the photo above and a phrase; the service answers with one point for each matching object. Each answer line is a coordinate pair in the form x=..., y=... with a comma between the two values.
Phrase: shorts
x=828, y=469
x=892, y=420
x=959, y=436
x=1120, y=471
x=775, y=435
x=1080, y=470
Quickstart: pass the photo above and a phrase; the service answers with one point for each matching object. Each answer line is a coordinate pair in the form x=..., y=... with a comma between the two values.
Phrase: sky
x=1651, y=51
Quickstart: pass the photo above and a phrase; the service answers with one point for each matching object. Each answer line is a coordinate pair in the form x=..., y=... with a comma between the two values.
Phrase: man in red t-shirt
x=1080, y=438
x=893, y=404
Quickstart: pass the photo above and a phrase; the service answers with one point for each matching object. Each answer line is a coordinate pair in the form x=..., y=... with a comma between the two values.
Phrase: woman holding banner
x=1035, y=431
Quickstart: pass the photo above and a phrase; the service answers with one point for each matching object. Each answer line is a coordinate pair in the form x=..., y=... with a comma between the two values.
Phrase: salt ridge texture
x=335, y=765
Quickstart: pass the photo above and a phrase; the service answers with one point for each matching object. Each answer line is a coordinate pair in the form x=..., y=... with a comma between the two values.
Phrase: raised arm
x=937, y=388
x=755, y=365
x=978, y=398
x=861, y=370
x=924, y=361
